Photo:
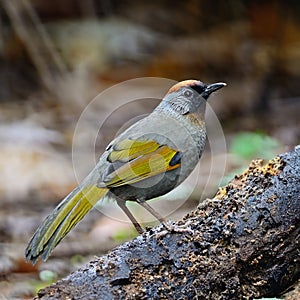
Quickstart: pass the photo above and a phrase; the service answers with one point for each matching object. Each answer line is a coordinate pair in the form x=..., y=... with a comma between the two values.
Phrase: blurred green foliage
x=124, y=235
x=250, y=145
x=47, y=277
x=77, y=259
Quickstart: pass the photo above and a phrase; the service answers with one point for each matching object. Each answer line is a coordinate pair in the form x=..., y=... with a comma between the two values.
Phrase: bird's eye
x=187, y=94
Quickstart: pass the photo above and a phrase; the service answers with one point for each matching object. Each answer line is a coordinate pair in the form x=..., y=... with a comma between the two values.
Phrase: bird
x=147, y=160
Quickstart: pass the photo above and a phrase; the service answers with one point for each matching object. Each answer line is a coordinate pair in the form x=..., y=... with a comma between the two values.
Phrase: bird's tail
x=63, y=218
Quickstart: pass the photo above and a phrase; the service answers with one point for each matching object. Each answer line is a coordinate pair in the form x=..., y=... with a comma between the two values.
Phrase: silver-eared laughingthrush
x=147, y=160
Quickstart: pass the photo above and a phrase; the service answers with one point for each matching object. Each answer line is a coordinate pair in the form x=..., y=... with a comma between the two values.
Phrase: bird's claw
x=172, y=228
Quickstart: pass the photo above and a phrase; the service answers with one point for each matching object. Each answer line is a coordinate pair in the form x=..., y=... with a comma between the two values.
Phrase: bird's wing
x=134, y=160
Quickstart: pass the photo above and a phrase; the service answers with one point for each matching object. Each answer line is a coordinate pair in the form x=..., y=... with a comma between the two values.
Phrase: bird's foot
x=174, y=228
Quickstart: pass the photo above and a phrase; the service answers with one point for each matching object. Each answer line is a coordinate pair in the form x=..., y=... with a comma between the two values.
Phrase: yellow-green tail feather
x=63, y=218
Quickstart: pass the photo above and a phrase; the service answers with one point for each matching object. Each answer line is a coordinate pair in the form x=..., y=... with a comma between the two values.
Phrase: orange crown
x=181, y=84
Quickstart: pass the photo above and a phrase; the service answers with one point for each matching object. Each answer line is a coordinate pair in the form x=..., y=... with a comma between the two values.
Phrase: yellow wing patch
x=157, y=160
x=127, y=150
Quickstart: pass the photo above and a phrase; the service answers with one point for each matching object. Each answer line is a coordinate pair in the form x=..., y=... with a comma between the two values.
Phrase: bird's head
x=189, y=96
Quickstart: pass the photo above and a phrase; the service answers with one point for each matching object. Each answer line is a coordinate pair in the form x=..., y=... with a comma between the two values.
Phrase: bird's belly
x=148, y=188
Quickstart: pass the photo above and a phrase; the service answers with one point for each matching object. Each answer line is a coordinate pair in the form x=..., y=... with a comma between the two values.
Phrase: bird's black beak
x=210, y=88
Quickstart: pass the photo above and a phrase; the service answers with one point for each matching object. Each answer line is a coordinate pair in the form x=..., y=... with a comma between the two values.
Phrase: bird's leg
x=154, y=213
x=170, y=228
x=122, y=205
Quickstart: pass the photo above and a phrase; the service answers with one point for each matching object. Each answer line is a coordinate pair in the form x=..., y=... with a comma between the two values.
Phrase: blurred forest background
x=56, y=56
